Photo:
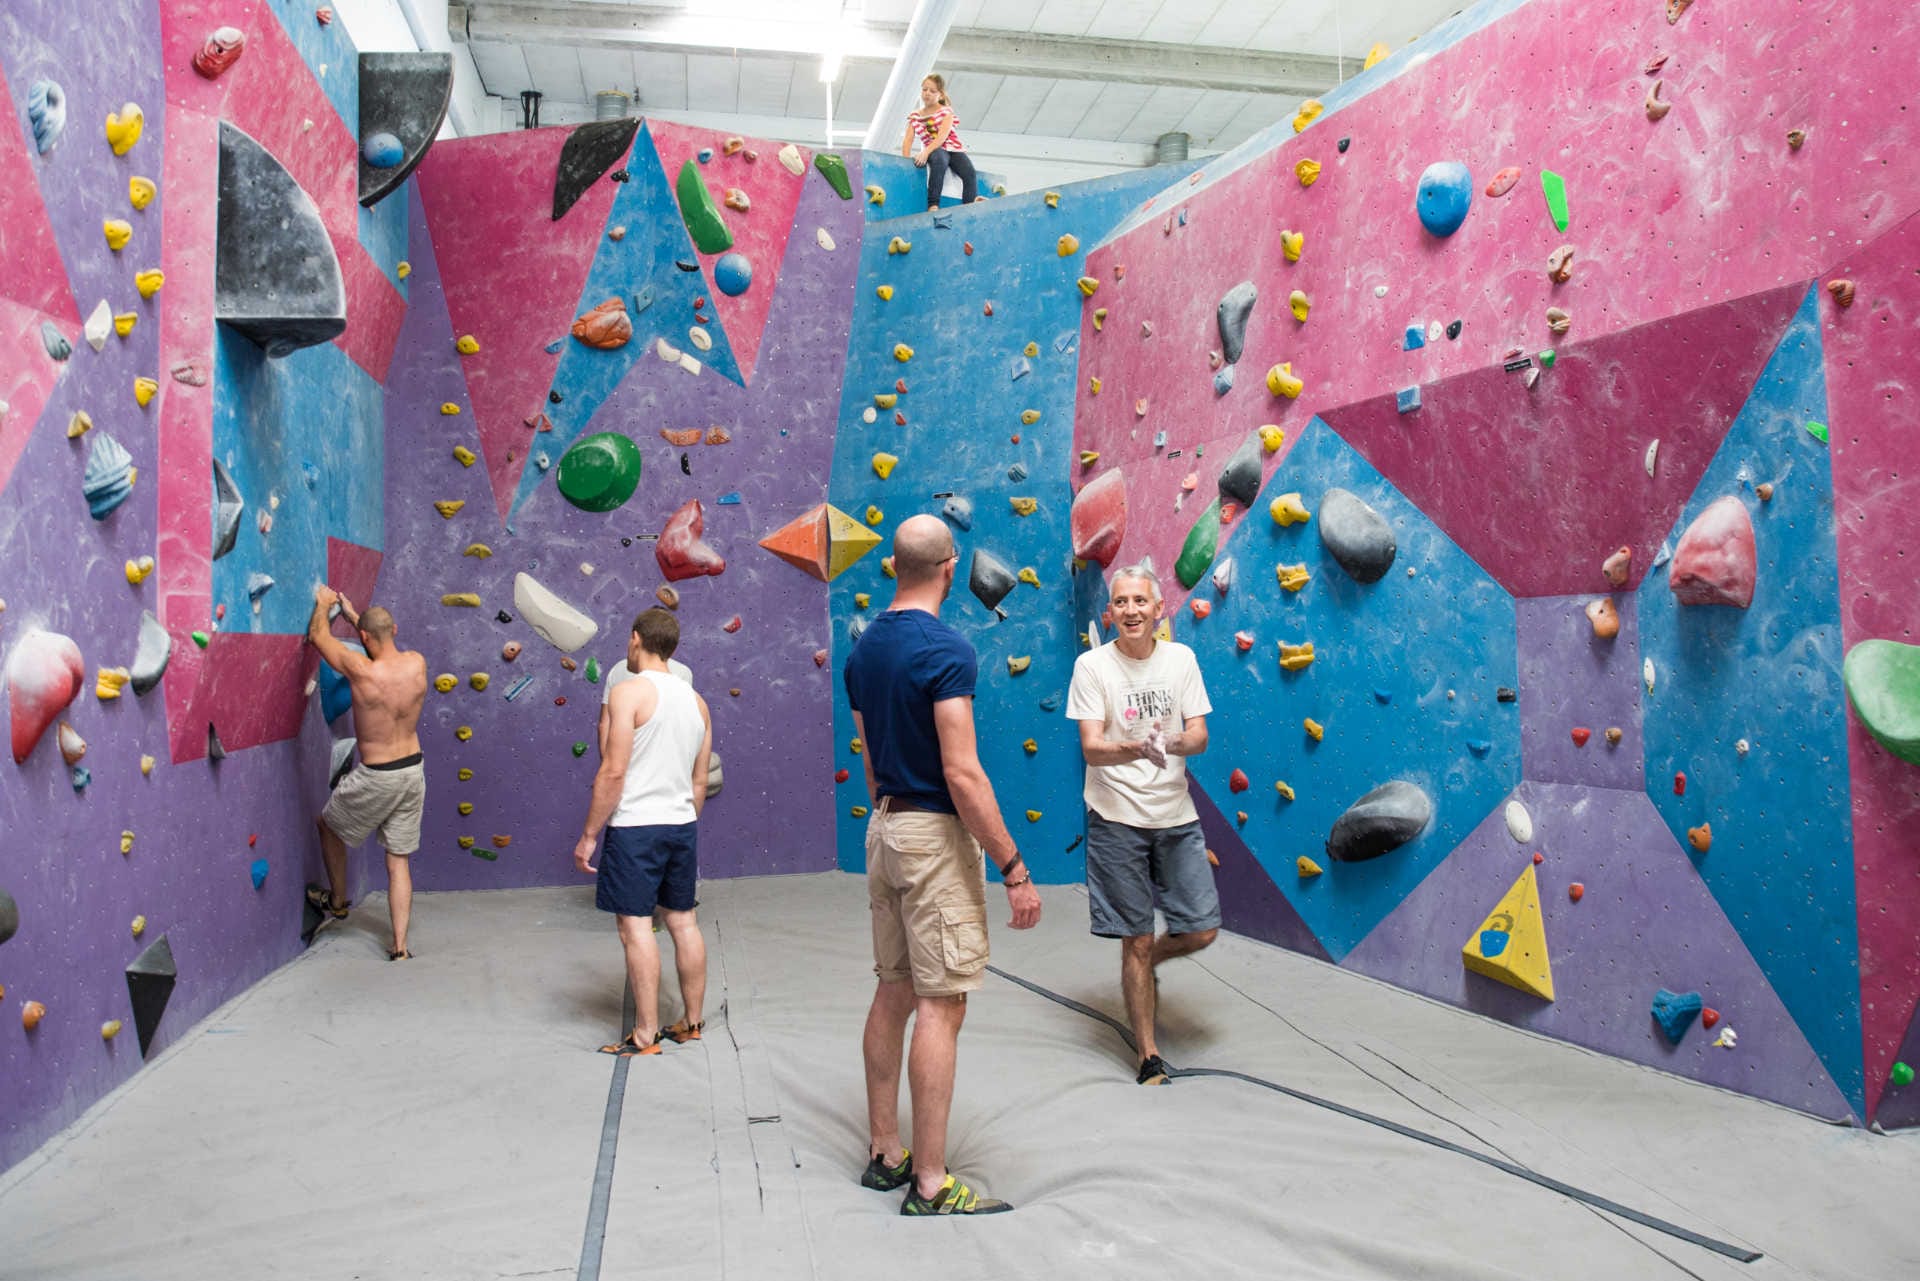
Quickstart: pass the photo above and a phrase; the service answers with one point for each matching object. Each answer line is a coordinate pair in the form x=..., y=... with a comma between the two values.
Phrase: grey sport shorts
x=388, y=800
x=1127, y=865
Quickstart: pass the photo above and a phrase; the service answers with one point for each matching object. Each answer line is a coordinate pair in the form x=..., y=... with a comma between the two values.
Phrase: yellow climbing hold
x=1093, y=386
x=465, y=808
x=1308, y=172
x=1068, y=245
x=1028, y=576
x=1283, y=787
x=1289, y=510
x=470, y=600
x=1087, y=285
x=861, y=600
x=146, y=766
x=1016, y=665
x=1031, y=350
x=1315, y=730
x=445, y=682
x=139, y=926
x=1374, y=55
x=1099, y=319
x=138, y=569
x=144, y=390
x=111, y=680
x=902, y=352
x=124, y=321
x=1281, y=382
x=875, y=515
x=449, y=408
x=1511, y=944
x=1295, y=658
x=855, y=746
x=463, y=455
x=1309, y=111
x=1271, y=438
x=1053, y=199
x=123, y=128
x=148, y=282
x=1306, y=867
x=1293, y=577
x=118, y=232
x=479, y=551
x=1033, y=816
x=1088, y=457
x=79, y=425
x=887, y=400
x=1028, y=417
x=1030, y=746
x=883, y=464
x=886, y=566
x=1300, y=304
x=885, y=292
x=466, y=775
x=858, y=811
x=449, y=507
x=479, y=680
x=876, y=195
x=466, y=344
x=110, y=1029
x=464, y=842
x=1023, y=506
x=403, y=269
x=463, y=733
x=140, y=191
x=899, y=246
x=1291, y=243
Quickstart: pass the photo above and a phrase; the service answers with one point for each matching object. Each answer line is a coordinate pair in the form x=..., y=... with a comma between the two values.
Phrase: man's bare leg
x=930, y=1064
x=1137, y=960
x=399, y=898
x=689, y=961
x=333, y=852
x=1170, y=947
x=643, y=972
x=882, y=1047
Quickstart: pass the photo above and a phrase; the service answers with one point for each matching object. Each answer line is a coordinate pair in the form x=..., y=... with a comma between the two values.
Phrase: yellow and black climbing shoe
x=322, y=902
x=954, y=1197
x=1153, y=1071
x=882, y=1177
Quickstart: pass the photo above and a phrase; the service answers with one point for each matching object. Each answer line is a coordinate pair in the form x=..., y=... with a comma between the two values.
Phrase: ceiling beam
x=578, y=24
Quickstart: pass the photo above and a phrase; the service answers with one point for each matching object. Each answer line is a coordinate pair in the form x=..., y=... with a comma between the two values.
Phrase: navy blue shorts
x=648, y=866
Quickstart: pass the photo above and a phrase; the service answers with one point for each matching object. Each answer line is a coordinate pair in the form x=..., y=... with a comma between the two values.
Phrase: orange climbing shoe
x=680, y=1033
x=626, y=1047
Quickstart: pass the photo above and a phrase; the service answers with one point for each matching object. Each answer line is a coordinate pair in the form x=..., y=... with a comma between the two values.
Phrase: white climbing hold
x=700, y=338
x=1647, y=674
x=1727, y=1039
x=871, y=415
x=825, y=240
x=790, y=157
x=1653, y=452
x=1379, y=291
x=1741, y=747
x=1435, y=330
x=555, y=621
x=99, y=325
x=689, y=362
x=665, y=350
x=1519, y=822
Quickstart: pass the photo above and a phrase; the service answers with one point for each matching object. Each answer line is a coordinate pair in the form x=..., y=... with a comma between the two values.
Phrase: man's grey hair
x=1144, y=570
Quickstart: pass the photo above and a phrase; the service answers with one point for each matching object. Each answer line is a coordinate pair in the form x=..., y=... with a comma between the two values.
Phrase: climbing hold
x=681, y=551
x=1098, y=520
x=834, y=170
x=1558, y=320
x=46, y=113
x=1708, y=1016
x=1675, y=1011
x=1580, y=735
x=449, y=408
x=1293, y=577
x=58, y=348
x=1068, y=245
x=1052, y=199
x=989, y=579
x=1033, y=816
x=1300, y=304
x=1618, y=567
x=30, y=1015
x=445, y=682
x=109, y=476
x=1202, y=542
x=382, y=150
x=144, y=390
x=1511, y=944
x=151, y=653
x=1223, y=575
x=257, y=871
x=466, y=344
x=552, y=619
x=1901, y=1075
x=1296, y=658
x=118, y=231
x=1231, y=314
x=1604, y=617
x=72, y=746
x=470, y=600
x=1087, y=286
x=1714, y=562
x=1238, y=781
x=876, y=194
x=1287, y=509
x=1651, y=457
x=109, y=681
x=1306, y=868
x=1443, y=196
x=463, y=455
x=1554, y=188
x=1088, y=457
x=1308, y=113
x=1314, y=729
x=1201, y=608
x=1292, y=243
x=605, y=326
x=1882, y=679
x=1356, y=536
x=958, y=509
x=1380, y=822
x=733, y=274
x=1307, y=171
x=1796, y=138
x=883, y=464
x=1519, y=822
x=1818, y=431
x=79, y=425
x=704, y=223
x=479, y=680
x=1020, y=664
x=99, y=325
x=141, y=191
x=148, y=282
x=1281, y=382
x=902, y=352
x=899, y=245
x=1560, y=265
x=1701, y=837
x=737, y=200
x=600, y=472
x=138, y=569
x=1028, y=417
x=1023, y=506
x=1656, y=107
x=123, y=128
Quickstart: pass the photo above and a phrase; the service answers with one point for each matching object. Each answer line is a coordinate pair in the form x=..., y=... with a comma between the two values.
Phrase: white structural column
x=925, y=34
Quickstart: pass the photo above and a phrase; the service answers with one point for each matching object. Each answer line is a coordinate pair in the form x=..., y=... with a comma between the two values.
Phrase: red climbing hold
x=1575, y=891
x=681, y=551
x=819, y=658
x=1538, y=858
x=560, y=701
x=1237, y=781
x=841, y=776
x=968, y=246
x=899, y=418
x=44, y=673
x=731, y=625
x=1240, y=817
x=1099, y=519
x=1201, y=608
x=1244, y=640
x=253, y=839
x=1708, y=1016
x=1580, y=735
x=1679, y=783
x=1714, y=562
x=900, y=386
x=1503, y=181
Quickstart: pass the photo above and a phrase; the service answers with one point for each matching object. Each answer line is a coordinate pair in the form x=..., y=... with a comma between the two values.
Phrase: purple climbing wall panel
x=1571, y=680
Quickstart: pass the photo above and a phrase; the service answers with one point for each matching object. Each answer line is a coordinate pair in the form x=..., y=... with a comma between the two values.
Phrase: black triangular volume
x=588, y=153
x=215, y=751
x=150, y=982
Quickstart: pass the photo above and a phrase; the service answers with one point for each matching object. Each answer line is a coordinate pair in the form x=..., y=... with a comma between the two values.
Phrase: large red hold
x=681, y=551
x=43, y=675
x=1099, y=519
x=1237, y=781
x=1715, y=562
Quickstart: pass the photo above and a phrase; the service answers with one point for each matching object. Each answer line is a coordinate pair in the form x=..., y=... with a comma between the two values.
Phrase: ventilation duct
x=610, y=104
x=1170, y=147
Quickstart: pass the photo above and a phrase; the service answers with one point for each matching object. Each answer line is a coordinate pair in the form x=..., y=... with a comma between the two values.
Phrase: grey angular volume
x=989, y=579
x=150, y=981
x=227, y=506
x=1379, y=823
x=1235, y=306
x=276, y=278
x=151, y=655
x=1240, y=477
x=589, y=152
x=406, y=95
x=9, y=916
x=1356, y=536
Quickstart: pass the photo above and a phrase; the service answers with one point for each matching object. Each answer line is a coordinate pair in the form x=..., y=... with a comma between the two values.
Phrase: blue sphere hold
x=1446, y=189
x=382, y=150
x=732, y=274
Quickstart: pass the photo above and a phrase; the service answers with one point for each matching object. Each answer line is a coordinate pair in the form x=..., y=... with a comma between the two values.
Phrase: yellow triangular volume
x=847, y=541
x=1511, y=944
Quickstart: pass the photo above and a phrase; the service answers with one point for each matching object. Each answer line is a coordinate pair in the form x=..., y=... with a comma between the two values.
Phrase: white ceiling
x=1200, y=67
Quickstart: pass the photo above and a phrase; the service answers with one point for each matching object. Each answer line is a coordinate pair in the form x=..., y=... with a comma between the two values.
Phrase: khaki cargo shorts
x=927, y=885
x=389, y=800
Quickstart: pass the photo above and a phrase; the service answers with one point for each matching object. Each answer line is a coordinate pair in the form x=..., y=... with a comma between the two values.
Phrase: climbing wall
x=150, y=878
x=1609, y=389
x=491, y=387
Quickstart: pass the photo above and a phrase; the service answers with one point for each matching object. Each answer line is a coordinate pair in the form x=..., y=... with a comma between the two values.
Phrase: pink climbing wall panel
x=483, y=197
x=760, y=233
x=1870, y=349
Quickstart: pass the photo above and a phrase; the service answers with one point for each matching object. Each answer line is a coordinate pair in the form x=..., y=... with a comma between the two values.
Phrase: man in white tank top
x=647, y=796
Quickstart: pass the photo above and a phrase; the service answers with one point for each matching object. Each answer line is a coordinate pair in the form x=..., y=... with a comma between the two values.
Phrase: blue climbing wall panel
x=905, y=185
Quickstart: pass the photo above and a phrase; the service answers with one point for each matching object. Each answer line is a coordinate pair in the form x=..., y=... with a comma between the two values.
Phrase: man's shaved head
x=921, y=546
x=376, y=623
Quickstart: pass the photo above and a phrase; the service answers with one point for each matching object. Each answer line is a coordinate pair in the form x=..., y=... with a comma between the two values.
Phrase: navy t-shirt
x=906, y=661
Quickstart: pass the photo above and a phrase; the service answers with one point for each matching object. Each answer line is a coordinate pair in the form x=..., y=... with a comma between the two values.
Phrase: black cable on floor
x=1739, y=1254
x=596, y=1239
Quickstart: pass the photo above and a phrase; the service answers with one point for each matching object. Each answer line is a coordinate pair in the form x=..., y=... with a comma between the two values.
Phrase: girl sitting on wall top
x=935, y=125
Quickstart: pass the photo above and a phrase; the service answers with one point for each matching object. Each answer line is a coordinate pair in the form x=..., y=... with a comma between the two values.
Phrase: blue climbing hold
x=1416, y=338
x=518, y=688
x=81, y=777
x=1479, y=746
x=336, y=696
x=1019, y=369
x=1446, y=189
x=46, y=113
x=1383, y=696
x=1051, y=703
x=732, y=274
x=382, y=150
x=1223, y=380
x=1407, y=399
x=729, y=499
x=1493, y=942
x=109, y=476
x=706, y=154
x=1675, y=1012
x=960, y=511
x=553, y=348
x=259, y=872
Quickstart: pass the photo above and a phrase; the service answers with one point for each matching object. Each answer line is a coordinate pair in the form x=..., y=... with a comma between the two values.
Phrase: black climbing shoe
x=882, y=1177
x=954, y=1197
x=322, y=902
x=1153, y=1071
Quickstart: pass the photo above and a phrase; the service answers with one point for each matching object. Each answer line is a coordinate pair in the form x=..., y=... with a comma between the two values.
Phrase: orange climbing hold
x=1701, y=837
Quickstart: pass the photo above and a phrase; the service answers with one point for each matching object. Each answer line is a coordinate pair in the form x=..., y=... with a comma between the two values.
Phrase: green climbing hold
x=200, y=639
x=1817, y=430
x=1902, y=1074
x=599, y=472
x=1546, y=358
x=834, y=170
x=1555, y=188
x=1883, y=684
x=492, y=856
x=702, y=216
x=593, y=671
x=1203, y=540
x=580, y=749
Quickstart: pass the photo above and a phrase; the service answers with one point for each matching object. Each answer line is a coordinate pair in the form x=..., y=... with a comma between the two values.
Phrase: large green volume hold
x=1203, y=540
x=697, y=210
x=834, y=170
x=1883, y=683
x=600, y=472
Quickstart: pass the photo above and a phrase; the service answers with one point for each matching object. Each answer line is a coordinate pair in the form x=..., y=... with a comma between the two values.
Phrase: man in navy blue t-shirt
x=910, y=683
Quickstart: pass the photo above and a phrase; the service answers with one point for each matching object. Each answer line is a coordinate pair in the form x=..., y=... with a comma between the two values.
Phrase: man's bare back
x=387, y=696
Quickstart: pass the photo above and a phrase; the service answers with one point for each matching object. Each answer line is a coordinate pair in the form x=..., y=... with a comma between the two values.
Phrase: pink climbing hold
x=681, y=551
x=1715, y=562
x=43, y=675
x=1503, y=181
x=1099, y=519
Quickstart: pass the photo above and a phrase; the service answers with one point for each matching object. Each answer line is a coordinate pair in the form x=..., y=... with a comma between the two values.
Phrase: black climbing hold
x=9, y=916
x=1505, y=695
x=1453, y=329
x=1342, y=144
x=149, y=985
x=276, y=278
x=1075, y=845
x=554, y=397
x=1380, y=822
x=503, y=617
x=626, y=542
x=406, y=95
x=686, y=264
x=686, y=468
x=1235, y=306
x=227, y=506
x=1356, y=536
x=1240, y=477
x=619, y=175
x=215, y=751
x=989, y=579
x=588, y=152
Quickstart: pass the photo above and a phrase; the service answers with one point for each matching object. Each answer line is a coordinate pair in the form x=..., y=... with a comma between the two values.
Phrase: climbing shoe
x=954, y=1197
x=322, y=902
x=682, y=1032
x=882, y=1177
x=1153, y=1071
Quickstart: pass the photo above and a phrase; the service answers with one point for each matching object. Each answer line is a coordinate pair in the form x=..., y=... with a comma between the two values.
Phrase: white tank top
x=659, y=784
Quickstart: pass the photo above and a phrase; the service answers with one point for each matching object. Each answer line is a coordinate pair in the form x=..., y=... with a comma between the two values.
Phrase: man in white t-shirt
x=1142, y=709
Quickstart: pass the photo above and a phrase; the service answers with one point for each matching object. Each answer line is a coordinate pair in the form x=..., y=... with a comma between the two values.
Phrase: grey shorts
x=1127, y=866
x=388, y=800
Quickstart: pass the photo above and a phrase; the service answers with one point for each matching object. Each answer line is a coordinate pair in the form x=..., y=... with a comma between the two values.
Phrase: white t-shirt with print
x=1128, y=695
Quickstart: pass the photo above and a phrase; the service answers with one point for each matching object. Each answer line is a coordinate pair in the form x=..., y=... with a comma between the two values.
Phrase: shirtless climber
x=387, y=790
